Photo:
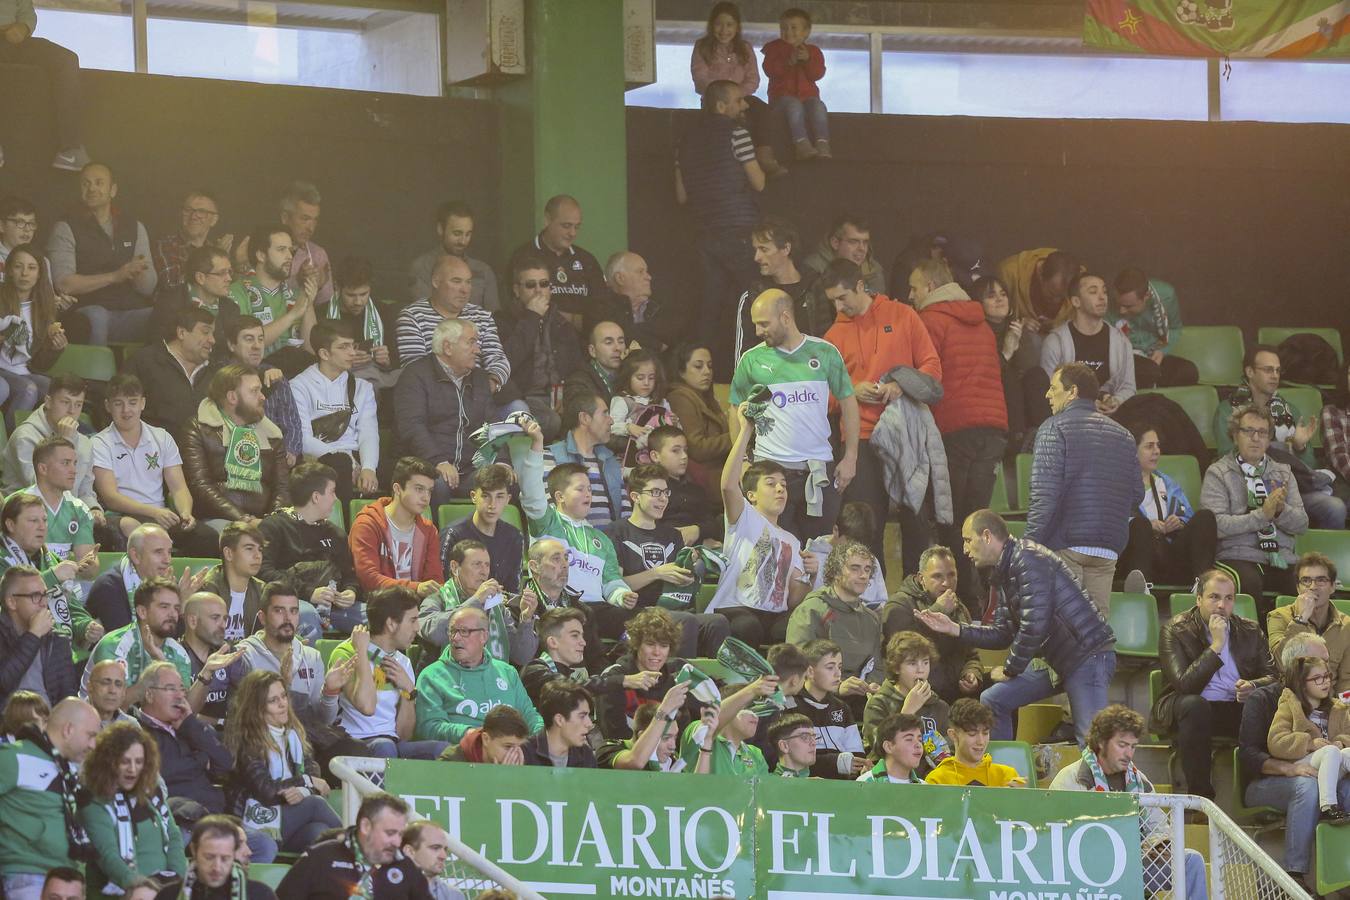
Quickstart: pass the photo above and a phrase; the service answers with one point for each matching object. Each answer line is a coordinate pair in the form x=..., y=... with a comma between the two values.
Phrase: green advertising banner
x=640, y=834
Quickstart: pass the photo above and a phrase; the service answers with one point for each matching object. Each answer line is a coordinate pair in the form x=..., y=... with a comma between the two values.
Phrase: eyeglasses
x=1254, y=432
x=1269, y=370
x=221, y=273
x=1314, y=581
x=197, y=212
x=465, y=632
x=657, y=492
x=534, y=285
x=1320, y=678
x=803, y=736
x=171, y=688
x=34, y=597
x=22, y=224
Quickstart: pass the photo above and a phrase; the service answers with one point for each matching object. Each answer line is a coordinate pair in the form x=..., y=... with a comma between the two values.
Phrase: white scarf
x=121, y=808
x=282, y=767
x=131, y=579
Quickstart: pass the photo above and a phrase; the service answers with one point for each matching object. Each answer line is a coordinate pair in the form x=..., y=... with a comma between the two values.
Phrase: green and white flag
x=701, y=686
x=1263, y=29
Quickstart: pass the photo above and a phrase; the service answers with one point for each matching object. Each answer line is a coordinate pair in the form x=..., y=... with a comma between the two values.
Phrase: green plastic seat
x=1335, y=543
x=1134, y=619
x=1216, y=350
x=453, y=511
x=1333, y=858
x=1185, y=471
x=1244, y=605
x=355, y=506
x=326, y=646
x=1276, y=335
x=1240, y=810
x=1017, y=528
x=196, y=563
x=704, y=597
x=1155, y=689
x=270, y=874
x=1016, y=754
x=1000, y=502
x=89, y=362
x=335, y=516
x=1023, y=467
x=1308, y=402
x=1199, y=402
x=107, y=560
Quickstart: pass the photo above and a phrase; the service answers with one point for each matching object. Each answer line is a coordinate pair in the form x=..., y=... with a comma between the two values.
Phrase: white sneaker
x=1136, y=583
x=72, y=160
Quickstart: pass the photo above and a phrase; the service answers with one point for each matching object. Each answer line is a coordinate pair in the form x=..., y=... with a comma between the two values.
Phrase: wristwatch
x=408, y=695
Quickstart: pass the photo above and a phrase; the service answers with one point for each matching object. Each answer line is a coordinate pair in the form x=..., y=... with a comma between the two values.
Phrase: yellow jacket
x=987, y=774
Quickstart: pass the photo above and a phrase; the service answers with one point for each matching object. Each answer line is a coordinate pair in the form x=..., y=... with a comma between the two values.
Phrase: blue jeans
x=801, y=114
x=1324, y=510
x=388, y=748
x=116, y=324
x=1085, y=685
x=1297, y=796
x=24, y=391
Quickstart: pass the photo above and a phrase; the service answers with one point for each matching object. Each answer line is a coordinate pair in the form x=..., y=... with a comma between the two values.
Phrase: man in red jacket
x=972, y=415
x=392, y=542
x=874, y=335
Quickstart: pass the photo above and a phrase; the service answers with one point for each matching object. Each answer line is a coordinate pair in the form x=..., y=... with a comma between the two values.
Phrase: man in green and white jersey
x=70, y=523
x=803, y=374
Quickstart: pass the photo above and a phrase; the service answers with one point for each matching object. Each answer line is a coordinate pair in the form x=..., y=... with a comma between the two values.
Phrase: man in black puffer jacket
x=1041, y=612
x=1085, y=483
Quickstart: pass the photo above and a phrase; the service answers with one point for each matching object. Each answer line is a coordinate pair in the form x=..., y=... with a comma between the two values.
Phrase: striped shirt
x=418, y=322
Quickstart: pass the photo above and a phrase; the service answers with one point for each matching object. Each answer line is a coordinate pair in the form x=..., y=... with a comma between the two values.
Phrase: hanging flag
x=1273, y=29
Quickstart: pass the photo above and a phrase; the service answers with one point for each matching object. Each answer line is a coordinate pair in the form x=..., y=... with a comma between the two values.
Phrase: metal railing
x=466, y=870
x=1238, y=868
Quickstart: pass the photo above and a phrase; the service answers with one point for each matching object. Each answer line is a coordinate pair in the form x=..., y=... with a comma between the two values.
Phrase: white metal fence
x=1238, y=869
x=466, y=870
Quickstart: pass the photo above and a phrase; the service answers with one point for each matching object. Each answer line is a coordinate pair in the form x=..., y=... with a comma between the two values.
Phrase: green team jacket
x=546, y=521
x=153, y=853
x=452, y=699
x=32, y=818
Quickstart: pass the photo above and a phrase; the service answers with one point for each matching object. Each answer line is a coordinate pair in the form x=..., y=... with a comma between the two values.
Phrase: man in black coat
x=328, y=870
x=28, y=636
x=1212, y=660
x=212, y=872
x=1041, y=612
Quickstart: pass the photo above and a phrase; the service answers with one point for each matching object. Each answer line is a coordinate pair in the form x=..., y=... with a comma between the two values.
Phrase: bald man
x=113, y=279
x=108, y=692
x=451, y=287
x=606, y=346
x=648, y=323
x=205, y=616
x=574, y=274
x=793, y=429
x=39, y=774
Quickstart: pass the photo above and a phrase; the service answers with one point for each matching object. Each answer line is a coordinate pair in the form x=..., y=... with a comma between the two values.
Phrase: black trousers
x=62, y=68
x=1174, y=372
x=972, y=455
x=756, y=627
x=1175, y=560
x=1198, y=722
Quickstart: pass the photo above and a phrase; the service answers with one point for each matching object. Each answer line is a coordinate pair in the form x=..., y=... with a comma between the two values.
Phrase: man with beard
x=454, y=229
x=364, y=861
x=148, y=638
x=287, y=314
x=244, y=344
x=352, y=303
x=233, y=453
x=213, y=873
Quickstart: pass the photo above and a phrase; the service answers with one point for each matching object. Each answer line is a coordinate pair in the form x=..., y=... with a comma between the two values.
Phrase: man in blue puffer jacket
x=1039, y=610
x=1085, y=483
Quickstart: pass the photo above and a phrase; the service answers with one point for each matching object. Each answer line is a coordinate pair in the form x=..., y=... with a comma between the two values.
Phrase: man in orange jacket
x=874, y=335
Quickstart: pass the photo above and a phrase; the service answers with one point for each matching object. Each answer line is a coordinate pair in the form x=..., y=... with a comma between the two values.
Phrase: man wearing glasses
x=646, y=548
x=198, y=216
x=1291, y=433
x=457, y=691
x=34, y=656
x=1212, y=661
x=795, y=738
x=1257, y=507
x=1313, y=613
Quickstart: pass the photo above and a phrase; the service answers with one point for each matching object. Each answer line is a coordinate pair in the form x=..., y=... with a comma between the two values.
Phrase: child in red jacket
x=794, y=67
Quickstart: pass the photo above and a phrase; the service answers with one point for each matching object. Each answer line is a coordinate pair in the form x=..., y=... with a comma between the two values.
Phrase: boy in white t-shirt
x=378, y=705
x=767, y=574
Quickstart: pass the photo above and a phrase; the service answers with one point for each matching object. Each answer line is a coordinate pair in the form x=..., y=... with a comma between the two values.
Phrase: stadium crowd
x=495, y=520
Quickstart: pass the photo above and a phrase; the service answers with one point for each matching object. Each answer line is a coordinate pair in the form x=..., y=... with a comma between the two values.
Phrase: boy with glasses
x=795, y=738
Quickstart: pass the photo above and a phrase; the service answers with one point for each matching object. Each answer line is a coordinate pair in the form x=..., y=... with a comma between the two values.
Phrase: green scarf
x=243, y=459
x=700, y=561
x=1134, y=784
x=1257, y=491
x=365, y=886
x=499, y=635
x=372, y=326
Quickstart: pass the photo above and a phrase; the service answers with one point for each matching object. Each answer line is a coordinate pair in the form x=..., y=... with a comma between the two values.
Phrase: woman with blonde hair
x=276, y=787
x=128, y=819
